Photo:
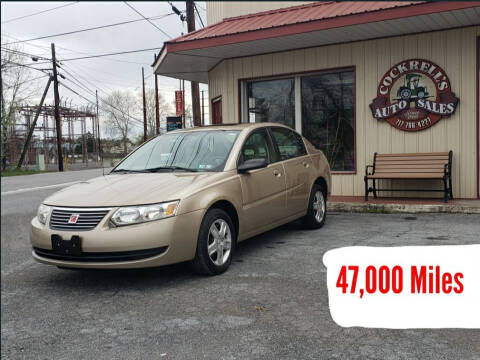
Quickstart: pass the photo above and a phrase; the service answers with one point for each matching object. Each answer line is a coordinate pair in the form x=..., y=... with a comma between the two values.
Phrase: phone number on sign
x=424, y=279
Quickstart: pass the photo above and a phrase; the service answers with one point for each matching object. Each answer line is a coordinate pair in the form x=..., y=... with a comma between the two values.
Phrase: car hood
x=132, y=189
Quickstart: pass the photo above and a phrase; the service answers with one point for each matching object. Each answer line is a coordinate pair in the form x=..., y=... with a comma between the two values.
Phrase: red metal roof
x=291, y=15
x=193, y=55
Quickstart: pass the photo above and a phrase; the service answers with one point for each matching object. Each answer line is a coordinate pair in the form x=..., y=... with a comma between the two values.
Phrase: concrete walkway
x=402, y=205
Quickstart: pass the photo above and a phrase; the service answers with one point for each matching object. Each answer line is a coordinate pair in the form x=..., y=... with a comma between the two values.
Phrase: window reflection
x=272, y=101
x=328, y=116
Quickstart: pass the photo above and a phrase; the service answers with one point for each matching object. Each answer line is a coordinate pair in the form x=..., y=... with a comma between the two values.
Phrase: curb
x=401, y=208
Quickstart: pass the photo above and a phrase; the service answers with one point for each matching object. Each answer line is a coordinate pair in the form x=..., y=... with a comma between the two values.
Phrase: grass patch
x=16, y=172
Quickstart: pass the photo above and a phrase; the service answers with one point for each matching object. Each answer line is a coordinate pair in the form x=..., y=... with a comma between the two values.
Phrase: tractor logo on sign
x=414, y=95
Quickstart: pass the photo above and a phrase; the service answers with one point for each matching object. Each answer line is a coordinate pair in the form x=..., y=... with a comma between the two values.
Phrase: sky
x=107, y=73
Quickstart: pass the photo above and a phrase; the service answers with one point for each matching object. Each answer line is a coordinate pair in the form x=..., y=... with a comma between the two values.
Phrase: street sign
x=174, y=123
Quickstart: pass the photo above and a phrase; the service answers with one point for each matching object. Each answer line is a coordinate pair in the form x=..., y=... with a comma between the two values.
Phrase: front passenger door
x=263, y=190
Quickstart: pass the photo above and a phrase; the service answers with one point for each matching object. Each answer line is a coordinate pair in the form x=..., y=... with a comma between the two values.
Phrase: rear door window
x=289, y=143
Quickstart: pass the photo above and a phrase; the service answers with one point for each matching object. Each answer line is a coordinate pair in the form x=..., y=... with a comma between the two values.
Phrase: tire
x=421, y=94
x=315, y=217
x=405, y=94
x=211, y=264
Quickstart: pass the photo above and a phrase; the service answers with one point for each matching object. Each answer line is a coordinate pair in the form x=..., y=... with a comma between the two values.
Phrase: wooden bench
x=417, y=166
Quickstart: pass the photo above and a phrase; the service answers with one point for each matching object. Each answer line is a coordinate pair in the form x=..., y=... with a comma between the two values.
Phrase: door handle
x=306, y=164
x=277, y=173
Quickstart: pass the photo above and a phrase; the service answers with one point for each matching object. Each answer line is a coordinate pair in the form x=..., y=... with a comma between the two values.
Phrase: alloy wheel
x=319, y=206
x=219, y=242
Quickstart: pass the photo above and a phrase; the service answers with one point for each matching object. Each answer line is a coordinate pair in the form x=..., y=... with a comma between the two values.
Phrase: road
x=271, y=304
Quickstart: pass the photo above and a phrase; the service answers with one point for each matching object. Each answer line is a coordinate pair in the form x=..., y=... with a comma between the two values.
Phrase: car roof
x=227, y=127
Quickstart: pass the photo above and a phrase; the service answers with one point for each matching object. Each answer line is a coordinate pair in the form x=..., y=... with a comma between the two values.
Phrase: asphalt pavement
x=271, y=304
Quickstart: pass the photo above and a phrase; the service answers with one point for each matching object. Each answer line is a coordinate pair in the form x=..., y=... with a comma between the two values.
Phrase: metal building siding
x=453, y=50
x=218, y=10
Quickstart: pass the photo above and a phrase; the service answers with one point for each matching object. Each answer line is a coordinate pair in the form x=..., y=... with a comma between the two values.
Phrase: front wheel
x=317, y=208
x=215, y=243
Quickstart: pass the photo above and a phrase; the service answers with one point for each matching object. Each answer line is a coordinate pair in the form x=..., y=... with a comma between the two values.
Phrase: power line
x=195, y=6
x=38, y=13
x=111, y=54
x=22, y=53
x=80, y=84
x=139, y=13
x=88, y=81
x=94, y=103
x=27, y=66
x=116, y=60
x=29, y=80
x=88, y=29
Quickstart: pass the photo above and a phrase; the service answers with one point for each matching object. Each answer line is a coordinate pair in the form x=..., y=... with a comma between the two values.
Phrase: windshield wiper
x=173, y=168
x=128, y=171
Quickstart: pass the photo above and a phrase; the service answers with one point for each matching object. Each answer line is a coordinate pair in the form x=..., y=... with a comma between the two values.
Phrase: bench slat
x=411, y=162
x=410, y=166
x=411, y=158
x=415, y=154
x=407, y=171
x=407, y=176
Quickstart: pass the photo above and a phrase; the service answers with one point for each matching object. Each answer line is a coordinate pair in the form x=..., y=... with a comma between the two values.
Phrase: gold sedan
x=189, y=195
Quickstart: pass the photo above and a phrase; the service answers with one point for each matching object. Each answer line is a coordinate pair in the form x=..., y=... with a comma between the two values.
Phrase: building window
x=328, y=116
x=271, y=101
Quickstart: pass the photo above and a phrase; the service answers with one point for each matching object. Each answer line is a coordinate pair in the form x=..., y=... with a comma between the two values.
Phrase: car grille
x=87, y=218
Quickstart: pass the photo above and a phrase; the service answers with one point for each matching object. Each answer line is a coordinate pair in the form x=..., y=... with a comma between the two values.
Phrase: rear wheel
x=317, y=208
x=215, y=243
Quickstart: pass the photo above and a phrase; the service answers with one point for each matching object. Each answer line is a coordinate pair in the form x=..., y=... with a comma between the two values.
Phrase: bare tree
x=120, y=109
x=164, y=108
x=15, y=89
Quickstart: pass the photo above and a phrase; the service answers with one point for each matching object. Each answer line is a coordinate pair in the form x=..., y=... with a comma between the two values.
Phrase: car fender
x=227, y=189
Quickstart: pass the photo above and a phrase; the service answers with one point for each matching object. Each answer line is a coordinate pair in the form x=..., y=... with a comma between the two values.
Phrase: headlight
x=42, y=213
x=139, y=214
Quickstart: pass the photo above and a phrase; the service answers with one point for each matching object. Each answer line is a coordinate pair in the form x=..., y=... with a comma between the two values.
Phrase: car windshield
x=184, y=151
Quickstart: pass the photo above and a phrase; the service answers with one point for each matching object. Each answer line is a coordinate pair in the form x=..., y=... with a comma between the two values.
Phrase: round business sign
x=413, y=95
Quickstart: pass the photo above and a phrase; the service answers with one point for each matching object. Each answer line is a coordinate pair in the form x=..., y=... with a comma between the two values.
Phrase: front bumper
x=155, y=243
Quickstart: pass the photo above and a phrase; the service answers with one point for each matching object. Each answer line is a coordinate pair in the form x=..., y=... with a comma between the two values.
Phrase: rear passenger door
x=263, y=190
x=298, y=168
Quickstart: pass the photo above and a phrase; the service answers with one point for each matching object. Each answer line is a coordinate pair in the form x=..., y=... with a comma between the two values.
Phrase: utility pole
x=157, y=109
x=194, y=84
x=144, y=108
x=58, y=122
x=203, y=109
x=32, y=127
x=98, y=127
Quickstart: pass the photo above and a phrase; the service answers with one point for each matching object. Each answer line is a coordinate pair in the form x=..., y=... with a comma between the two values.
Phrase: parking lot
x=272, y=303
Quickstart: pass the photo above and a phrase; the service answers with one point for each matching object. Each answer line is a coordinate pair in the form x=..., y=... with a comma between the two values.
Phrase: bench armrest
x=371, y=172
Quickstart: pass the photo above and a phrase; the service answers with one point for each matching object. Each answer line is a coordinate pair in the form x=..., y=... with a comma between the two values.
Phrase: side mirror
x=252, y=164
